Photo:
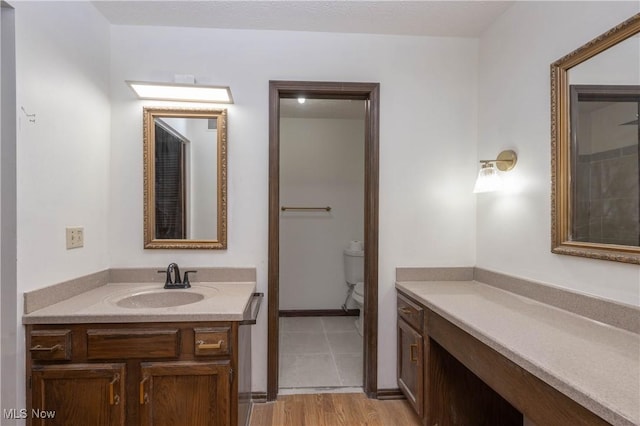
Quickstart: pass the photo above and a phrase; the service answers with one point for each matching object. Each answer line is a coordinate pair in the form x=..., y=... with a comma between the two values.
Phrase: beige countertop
x=595, y=364
x=222, y=302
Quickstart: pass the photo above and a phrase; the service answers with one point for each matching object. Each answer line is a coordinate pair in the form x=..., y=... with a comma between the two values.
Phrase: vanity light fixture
x=488, y=178
x=302, y=100
x=181, y=92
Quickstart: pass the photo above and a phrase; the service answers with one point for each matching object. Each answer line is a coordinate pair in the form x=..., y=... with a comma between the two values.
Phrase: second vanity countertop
x=222, y=302
x=595, y=364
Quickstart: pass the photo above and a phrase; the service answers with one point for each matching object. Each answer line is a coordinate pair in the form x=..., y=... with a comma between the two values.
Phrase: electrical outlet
x=75, y=236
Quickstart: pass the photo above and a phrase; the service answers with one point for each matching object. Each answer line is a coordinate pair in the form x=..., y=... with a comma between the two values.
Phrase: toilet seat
x=358, y=293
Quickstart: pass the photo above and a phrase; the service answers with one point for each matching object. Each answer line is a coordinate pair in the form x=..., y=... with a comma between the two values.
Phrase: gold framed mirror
x=595, y=100
x=185, y=178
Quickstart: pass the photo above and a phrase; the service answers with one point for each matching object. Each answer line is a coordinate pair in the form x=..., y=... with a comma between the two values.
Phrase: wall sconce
x=488, y=178
x=183, y=92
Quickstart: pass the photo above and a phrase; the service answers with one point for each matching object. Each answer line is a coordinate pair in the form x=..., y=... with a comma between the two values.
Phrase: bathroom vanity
x=114, y=356
x=470, y=353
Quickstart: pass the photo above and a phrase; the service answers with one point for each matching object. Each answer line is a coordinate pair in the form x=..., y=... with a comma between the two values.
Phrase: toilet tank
x=353, y=266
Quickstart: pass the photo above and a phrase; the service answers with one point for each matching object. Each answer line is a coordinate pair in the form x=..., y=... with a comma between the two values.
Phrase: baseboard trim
x=382, y=394
x=319, y=313
x=259, y=397
x=387, y=394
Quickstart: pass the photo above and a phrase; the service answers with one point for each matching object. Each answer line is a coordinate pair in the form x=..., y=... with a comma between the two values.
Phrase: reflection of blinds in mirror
x=169, y=186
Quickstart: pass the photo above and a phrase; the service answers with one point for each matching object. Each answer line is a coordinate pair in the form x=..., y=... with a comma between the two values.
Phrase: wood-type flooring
x=333, y=409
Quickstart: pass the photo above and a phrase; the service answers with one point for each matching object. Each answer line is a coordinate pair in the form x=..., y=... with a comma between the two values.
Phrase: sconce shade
x=488, y=179
x=181, y=92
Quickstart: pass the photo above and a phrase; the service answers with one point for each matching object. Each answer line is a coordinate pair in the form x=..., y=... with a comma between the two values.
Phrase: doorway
x=369, y=93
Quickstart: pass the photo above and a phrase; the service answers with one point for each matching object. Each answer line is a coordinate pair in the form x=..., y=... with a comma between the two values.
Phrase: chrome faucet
x=173, y=269
x=176, y=280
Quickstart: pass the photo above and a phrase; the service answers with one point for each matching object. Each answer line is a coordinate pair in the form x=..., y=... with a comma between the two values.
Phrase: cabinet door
x=78, y=394
x=185, y=393
x=410, y=365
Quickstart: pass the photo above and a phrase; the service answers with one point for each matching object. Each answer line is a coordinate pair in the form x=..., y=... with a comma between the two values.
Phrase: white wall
x=513, y=229
x=63, y=158
x=427, y=145
x=8, y=292
x=619, y=64
x=321, y=164
x=62, y=65
x=203, y=206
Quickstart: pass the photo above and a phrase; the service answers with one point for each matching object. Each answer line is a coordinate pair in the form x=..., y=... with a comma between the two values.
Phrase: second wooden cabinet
x=439, y=387
x=185, y=393
x=410, y=353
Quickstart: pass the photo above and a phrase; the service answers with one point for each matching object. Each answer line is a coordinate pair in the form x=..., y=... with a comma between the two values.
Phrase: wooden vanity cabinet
x=442, y=390
x=138, y=374
x=410, y=353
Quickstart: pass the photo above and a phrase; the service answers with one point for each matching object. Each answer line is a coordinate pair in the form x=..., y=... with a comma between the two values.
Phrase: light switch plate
x=75, y=236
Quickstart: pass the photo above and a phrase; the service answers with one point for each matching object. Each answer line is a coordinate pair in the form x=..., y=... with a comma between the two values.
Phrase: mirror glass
x=606, y=184
x=595, y=136
x=185, y=178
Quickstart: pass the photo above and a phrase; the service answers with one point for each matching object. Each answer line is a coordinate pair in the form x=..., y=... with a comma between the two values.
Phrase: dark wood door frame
x=370, y=93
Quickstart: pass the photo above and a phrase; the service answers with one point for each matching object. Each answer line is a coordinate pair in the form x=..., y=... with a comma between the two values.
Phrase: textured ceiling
x=428, y=18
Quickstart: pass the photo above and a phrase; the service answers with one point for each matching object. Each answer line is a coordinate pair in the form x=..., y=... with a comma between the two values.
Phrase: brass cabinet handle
x=202, y=345
x=406, y=311
x=412, y=356
x=114, y=399
x=143, y=396
x=40, y=348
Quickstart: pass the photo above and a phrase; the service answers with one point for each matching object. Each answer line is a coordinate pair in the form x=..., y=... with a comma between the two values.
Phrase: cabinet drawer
x=50, y=345
x=412, y=313
x=132, y=343
x=211, y=341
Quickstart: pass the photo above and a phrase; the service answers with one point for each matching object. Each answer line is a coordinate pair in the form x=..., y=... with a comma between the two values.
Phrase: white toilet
x=358, y=298
x=354, y=276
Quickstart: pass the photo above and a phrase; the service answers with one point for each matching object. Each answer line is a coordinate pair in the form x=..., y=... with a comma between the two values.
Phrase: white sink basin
x=159, y=299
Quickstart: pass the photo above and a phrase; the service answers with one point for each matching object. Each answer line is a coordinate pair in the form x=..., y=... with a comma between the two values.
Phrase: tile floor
x=318, y=352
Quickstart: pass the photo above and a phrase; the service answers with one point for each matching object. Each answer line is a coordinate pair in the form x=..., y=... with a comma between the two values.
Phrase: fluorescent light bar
x=181, y=92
